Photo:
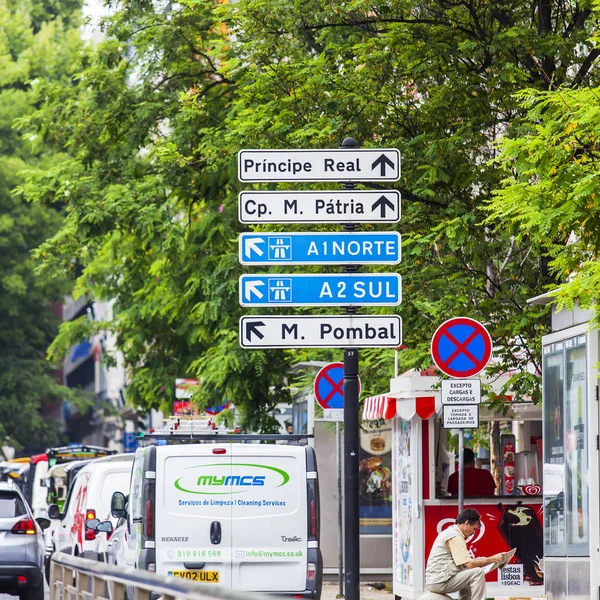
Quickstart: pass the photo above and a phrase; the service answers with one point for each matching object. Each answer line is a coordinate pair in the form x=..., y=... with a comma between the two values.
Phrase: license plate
x=201, y=576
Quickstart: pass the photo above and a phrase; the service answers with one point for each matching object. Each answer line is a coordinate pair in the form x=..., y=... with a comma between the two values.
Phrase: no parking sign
x=461, y=347
x=329, y=391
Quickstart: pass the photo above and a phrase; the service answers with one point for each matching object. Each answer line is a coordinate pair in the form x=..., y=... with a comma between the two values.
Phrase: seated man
x=450, y=567
x=478, y=482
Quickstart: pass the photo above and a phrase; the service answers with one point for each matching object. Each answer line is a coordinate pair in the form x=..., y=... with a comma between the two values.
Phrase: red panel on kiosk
x=503, y=527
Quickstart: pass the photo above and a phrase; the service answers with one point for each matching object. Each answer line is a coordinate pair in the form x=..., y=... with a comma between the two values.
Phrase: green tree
x=150, y=215
x=33, y=44
x=435, y=80
x=551, y=191
x=163, y=105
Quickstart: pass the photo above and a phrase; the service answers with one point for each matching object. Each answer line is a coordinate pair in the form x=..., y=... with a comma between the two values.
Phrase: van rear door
x=269, y=544
x=193, y=512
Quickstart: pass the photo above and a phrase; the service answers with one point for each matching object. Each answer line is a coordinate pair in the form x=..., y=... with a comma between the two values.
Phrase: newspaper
x=498, y=565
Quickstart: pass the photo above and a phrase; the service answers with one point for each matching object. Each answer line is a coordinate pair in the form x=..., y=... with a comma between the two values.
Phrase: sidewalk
x=331, y=589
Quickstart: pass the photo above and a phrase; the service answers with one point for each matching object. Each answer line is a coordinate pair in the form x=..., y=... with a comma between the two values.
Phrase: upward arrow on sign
x=381, y=204
x=381, y=162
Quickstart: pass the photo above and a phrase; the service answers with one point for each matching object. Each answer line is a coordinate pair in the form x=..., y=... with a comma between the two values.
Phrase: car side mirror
x=92, y=524
x=54, y=512
x=117, y=505
x=105, y=527
x=43, y=523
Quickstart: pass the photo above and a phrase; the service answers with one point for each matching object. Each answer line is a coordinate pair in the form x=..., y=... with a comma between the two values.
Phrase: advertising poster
x=502, y=529
x=375, y=479
x=404, y=490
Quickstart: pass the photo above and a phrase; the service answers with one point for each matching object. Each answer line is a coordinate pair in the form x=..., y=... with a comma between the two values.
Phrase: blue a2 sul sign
x=321, y=290
x=319, y=248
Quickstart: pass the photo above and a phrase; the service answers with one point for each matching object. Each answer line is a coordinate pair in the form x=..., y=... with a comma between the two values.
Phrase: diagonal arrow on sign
x=381, y=204
x=381, y=162
x=252, y=327
x=252, y=244
x=252, y=288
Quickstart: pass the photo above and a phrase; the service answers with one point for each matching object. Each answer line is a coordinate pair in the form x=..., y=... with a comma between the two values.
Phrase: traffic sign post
x=321, y=290
x=342, y=206
x=321, y=331
x=349, y=206
x=353, y=164
x=319, y=248
x=461, y=347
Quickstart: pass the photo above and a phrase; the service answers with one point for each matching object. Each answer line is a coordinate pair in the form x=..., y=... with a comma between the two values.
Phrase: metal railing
x=75, y=578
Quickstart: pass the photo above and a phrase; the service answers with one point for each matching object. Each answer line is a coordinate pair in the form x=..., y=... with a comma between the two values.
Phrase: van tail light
x=24, y=527
x=21, y=579
x=311, y=571
x=90, y=534
x=313, y=518
x=149, y=519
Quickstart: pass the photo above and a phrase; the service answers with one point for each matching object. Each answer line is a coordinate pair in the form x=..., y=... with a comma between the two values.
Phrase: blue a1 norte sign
x=319, y=248
x=321, y=290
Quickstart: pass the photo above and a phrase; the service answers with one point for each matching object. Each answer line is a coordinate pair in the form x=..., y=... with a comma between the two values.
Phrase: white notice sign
x=333, y=414
x=359, y=164
x=321, y=331
x=465, y=416
x=338, y=206
x=461, y=391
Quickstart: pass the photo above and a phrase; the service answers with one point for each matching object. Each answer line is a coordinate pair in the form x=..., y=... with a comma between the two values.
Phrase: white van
x=231, y=515
x=89, y=498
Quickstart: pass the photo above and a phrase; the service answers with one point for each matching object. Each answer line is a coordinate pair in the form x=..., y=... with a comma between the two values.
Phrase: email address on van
x=273, y=554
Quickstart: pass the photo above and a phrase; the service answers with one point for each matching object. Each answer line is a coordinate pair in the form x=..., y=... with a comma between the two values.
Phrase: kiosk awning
x=388, y=407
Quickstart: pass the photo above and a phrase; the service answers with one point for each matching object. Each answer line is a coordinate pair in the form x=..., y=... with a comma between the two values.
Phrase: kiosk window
x=566, y=501
x=577, y=511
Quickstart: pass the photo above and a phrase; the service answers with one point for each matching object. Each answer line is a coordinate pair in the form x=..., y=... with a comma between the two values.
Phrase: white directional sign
x=461, y=416
x=319, y=165
x=354, y=331
x=461, y=391
x=344, y=206
x=346, y=289
x=356, y=247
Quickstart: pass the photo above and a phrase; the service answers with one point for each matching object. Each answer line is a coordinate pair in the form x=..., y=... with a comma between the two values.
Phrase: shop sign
x=461, y=391
x=502, y=529
x=461, y=416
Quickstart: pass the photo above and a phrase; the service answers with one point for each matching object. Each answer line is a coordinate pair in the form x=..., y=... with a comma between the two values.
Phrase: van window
x=137, y=477
x=117, y=481
x=11, y=506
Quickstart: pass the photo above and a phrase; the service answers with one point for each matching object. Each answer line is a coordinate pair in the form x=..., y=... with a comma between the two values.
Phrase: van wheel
x=33, y=593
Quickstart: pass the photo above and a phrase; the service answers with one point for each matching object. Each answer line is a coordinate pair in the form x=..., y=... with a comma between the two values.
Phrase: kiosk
x=421, y=465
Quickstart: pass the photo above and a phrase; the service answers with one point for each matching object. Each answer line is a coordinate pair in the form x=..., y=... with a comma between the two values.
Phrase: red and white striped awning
x=388, y=407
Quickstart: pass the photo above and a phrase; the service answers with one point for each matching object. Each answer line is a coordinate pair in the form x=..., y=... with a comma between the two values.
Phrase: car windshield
x=11, y=505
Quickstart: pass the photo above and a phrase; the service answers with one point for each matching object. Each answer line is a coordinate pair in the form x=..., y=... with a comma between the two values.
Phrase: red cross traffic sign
x=329, y=386
x=461, y=347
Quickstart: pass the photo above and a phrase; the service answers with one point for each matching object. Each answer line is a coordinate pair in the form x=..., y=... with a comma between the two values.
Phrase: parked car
x=89, y=498
x=21, y=546
x=231, y=515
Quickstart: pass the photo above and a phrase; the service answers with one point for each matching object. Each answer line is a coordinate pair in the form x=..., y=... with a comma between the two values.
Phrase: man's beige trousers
x=470, y=585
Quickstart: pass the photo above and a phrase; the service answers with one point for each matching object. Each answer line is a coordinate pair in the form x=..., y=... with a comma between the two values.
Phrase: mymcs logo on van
x=213, y=479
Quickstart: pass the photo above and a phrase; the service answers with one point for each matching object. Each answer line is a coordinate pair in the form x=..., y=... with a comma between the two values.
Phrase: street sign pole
x=338, y=464
x=351, y=446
